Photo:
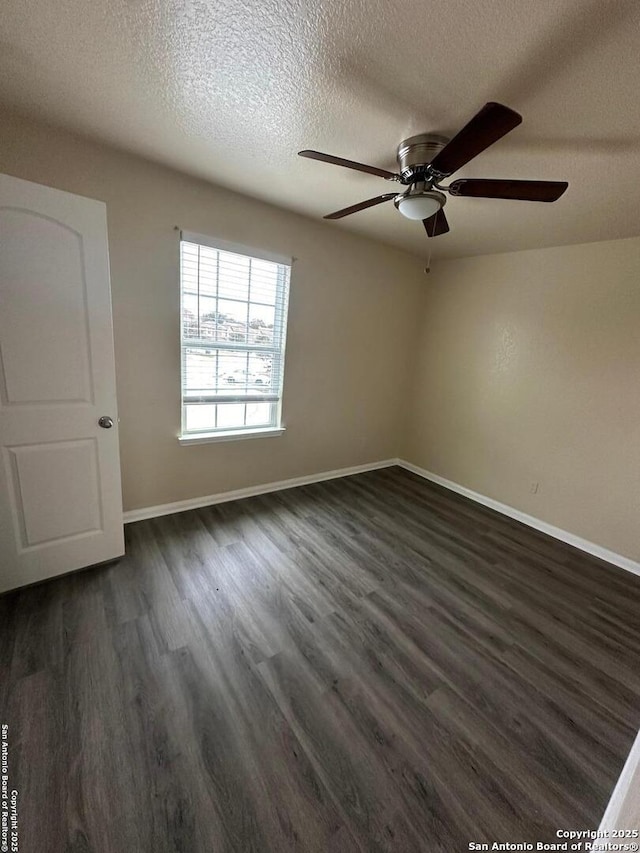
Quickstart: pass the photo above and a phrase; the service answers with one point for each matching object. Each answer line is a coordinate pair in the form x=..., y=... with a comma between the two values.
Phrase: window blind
x=234, y=313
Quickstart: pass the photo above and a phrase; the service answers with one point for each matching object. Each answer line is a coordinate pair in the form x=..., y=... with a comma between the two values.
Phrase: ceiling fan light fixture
x=420, y=205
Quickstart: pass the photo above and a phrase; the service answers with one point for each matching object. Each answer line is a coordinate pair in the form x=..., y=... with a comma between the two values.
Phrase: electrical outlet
x=534, y=488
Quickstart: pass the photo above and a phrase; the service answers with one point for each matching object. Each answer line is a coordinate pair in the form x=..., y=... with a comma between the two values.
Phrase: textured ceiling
x=231, y=90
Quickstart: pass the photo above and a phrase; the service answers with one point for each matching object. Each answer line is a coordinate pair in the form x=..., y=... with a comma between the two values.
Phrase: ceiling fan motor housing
x=415, y=153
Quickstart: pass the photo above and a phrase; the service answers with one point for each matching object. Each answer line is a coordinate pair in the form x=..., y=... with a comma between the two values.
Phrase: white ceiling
x=230, y=90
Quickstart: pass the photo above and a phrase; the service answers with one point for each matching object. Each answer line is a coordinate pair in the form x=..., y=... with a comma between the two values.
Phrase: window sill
x=232, y=435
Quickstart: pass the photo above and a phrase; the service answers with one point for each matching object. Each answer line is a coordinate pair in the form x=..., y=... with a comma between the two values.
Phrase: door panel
x=60, y=494
x=38, y=363
x=37, y=470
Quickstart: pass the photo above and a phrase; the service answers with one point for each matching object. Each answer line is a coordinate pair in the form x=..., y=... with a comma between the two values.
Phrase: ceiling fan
x=429, y=158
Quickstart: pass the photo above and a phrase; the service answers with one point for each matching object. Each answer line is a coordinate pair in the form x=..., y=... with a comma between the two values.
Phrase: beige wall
x=351, y=323
x=528, y=370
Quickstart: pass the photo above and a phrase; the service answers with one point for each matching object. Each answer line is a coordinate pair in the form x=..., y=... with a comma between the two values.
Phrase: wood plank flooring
x=366, y=664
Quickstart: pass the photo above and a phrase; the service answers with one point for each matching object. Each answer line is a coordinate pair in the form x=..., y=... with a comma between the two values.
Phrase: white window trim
x=230, y=435
x=186, y=439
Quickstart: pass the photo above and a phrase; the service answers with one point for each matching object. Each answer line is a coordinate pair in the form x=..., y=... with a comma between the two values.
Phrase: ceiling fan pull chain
x=427, y=269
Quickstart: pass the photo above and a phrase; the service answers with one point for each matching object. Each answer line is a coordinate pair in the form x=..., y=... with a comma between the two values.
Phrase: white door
x=60, y=495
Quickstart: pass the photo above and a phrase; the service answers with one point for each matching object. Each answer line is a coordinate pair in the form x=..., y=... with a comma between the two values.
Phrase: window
x=234, y=313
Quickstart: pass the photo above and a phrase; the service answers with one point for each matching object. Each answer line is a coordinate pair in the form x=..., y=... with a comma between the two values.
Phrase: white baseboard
x=557, y=533
x=263, y=489
x=623, y=811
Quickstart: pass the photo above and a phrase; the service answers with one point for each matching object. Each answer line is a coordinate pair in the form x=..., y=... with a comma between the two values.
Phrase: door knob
x=105, y=422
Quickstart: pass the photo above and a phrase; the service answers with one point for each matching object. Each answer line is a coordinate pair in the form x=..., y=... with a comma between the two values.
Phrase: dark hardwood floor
x=366, y=664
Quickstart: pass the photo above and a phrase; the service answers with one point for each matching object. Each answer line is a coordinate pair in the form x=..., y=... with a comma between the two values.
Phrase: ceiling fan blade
x=520, y=190
x=348, y=164
x=436, y=224
x=488, y=126
x=362, y=205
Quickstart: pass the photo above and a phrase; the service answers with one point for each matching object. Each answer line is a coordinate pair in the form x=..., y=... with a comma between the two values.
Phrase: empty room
x=319, y=426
